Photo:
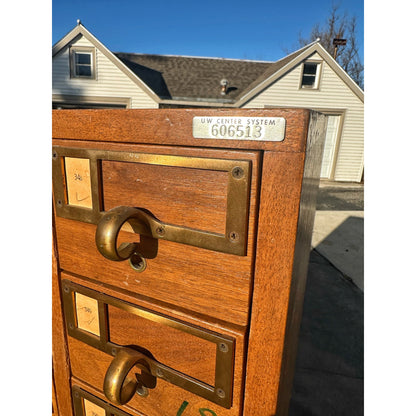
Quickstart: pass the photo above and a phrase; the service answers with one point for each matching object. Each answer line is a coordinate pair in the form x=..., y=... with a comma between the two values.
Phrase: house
x=85, y=74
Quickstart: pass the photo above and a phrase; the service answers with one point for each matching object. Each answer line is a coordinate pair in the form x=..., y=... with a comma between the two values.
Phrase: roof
x=171, y=78
x=273, y=68
x=184, y=77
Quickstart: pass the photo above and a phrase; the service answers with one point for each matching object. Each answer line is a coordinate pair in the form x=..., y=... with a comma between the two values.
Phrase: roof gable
x=281, y=67
x=79, y=31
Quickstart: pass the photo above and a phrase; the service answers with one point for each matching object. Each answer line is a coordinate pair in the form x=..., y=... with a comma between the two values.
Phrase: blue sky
x=260, y=30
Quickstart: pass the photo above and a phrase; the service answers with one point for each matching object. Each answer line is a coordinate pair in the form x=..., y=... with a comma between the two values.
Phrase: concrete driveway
x=338, y=233
x=330, y=361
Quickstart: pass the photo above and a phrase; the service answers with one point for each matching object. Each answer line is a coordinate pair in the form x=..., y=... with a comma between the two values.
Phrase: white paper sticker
x=91, y=409
x=87, y=313
x=239, y=128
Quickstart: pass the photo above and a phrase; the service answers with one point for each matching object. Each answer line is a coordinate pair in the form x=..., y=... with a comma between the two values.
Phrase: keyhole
x=142, y=391
x=137, y=262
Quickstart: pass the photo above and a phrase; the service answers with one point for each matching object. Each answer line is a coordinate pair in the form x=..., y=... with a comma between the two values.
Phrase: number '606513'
x=237, y=131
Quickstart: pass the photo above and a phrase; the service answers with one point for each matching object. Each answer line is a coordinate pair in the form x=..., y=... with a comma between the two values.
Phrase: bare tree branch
x=339, y=26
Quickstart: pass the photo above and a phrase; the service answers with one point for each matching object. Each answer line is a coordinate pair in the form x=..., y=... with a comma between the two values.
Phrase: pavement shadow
x=329, y=368
x=340, y=239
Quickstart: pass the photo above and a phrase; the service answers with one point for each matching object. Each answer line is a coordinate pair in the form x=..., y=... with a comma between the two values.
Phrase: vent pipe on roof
x=224, y=84
x=78, y=21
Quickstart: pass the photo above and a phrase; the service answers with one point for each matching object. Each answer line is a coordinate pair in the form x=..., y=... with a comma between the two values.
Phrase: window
x=310, y=75
x=82, y=62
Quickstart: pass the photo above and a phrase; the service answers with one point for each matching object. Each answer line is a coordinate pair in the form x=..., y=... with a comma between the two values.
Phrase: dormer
x=82, y=62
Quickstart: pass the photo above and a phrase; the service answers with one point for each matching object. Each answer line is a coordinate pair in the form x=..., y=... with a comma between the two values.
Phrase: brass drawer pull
x=110, y=224
x=109, y=227
x=118, y=387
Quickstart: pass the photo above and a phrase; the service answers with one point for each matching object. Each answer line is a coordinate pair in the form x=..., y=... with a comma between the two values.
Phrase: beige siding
x=110, y=82
x=333, y=94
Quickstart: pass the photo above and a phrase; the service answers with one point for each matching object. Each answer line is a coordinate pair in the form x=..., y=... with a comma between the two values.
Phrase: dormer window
x=82, y=62
x=311, y=74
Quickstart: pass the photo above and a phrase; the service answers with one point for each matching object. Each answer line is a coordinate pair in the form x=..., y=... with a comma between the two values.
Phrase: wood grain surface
x=186, y=197
x=281, y=189
x=54, y=402
x=199, y=280
x=172, y=127
x=170, y=346
x=60, y=357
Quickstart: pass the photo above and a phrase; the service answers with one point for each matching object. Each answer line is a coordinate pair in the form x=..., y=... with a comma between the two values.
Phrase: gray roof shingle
x=182, y=77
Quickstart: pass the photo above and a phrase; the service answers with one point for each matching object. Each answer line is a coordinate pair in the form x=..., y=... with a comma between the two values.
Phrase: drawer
x=87, y=404
x=178, y=362
x=204, y=201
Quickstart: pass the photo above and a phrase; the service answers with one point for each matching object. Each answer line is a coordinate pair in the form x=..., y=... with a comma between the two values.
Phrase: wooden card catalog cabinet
x=181, y=244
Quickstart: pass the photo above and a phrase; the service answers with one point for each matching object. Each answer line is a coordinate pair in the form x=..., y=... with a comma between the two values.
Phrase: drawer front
x=87, y=404
x=111, y=341
x=193, y=228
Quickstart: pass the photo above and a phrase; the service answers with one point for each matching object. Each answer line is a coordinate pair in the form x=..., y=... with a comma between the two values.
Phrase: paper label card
x=91, y=409
x=87, y=314
x=78, y=182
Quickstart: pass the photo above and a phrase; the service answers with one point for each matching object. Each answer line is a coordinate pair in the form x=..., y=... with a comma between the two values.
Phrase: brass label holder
x=234, y=240
x=220, y=393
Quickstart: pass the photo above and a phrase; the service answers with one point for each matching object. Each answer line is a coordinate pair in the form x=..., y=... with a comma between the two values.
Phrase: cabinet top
x=282, y=130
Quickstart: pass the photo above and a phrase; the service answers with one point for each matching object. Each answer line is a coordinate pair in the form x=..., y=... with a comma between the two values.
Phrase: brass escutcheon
x=236, y=218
